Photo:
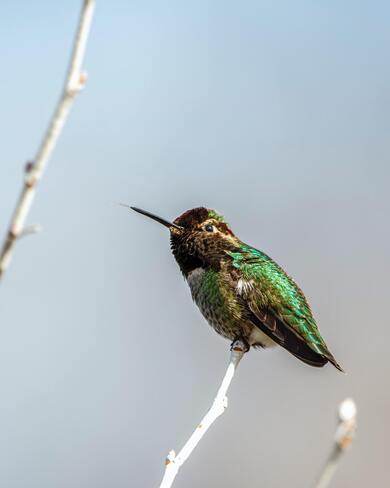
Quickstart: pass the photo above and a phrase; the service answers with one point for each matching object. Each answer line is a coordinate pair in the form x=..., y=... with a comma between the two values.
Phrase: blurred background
x=277, y=115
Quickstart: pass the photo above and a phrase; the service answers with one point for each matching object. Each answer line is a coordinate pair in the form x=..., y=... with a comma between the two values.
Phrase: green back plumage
x=275, y=290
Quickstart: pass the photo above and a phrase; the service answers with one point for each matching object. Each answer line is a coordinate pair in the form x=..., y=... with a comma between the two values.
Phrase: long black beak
x=154, y=217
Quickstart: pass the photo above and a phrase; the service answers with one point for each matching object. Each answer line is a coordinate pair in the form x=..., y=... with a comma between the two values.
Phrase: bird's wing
x=275, y=304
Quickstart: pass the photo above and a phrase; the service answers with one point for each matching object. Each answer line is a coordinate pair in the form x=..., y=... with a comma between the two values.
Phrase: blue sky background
x=277, y=115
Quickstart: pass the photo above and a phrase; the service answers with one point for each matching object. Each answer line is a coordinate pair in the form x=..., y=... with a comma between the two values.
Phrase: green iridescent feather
x=276, y=291
x=216, y=216
x=221, y=298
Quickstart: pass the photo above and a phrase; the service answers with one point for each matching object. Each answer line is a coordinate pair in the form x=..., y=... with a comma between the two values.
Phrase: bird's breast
x=217, y=302
x=207, y=294
x=194, y=279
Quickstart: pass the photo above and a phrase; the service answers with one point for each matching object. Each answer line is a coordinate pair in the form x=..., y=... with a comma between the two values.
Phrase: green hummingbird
x=242, y=292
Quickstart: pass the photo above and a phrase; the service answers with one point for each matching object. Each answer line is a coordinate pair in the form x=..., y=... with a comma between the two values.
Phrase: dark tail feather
x=332, y=360
x=287, y=338
x=310, y=357
x=317, y=360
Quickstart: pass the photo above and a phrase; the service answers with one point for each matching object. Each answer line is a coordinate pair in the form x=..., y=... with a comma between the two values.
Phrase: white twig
x=343, y=438
x=74, y=82
x=30, y=229
x=174, y=462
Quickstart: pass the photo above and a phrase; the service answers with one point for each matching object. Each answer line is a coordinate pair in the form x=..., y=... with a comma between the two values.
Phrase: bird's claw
x=240, y=344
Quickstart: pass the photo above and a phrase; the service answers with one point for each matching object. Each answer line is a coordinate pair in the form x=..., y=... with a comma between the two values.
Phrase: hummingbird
x=242, y=293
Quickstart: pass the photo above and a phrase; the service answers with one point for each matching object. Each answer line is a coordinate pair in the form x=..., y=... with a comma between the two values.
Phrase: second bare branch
x=74, y=81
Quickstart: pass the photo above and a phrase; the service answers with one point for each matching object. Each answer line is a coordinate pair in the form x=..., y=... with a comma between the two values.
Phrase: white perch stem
x=220, y=403
x=343, y=438
x=74, y=81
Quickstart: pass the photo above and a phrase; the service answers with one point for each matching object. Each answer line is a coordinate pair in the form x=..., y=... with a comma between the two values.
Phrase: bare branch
x=74, y=82
x=30, y=229
x=173, y=463
x=343, y=438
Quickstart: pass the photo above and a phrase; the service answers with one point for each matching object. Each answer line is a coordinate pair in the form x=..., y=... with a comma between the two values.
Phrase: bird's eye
x=209, y=228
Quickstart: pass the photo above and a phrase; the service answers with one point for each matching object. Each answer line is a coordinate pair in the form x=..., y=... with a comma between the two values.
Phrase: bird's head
x=200, y=237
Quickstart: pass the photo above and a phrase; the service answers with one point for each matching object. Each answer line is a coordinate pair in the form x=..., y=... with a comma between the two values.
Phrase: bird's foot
x=240, y=344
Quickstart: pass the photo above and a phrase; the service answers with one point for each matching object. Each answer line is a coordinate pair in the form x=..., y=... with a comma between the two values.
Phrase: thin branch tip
x=170, y=458
x=347, y=410
x=345, y=432
x=29, y=230
x=346, y=429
